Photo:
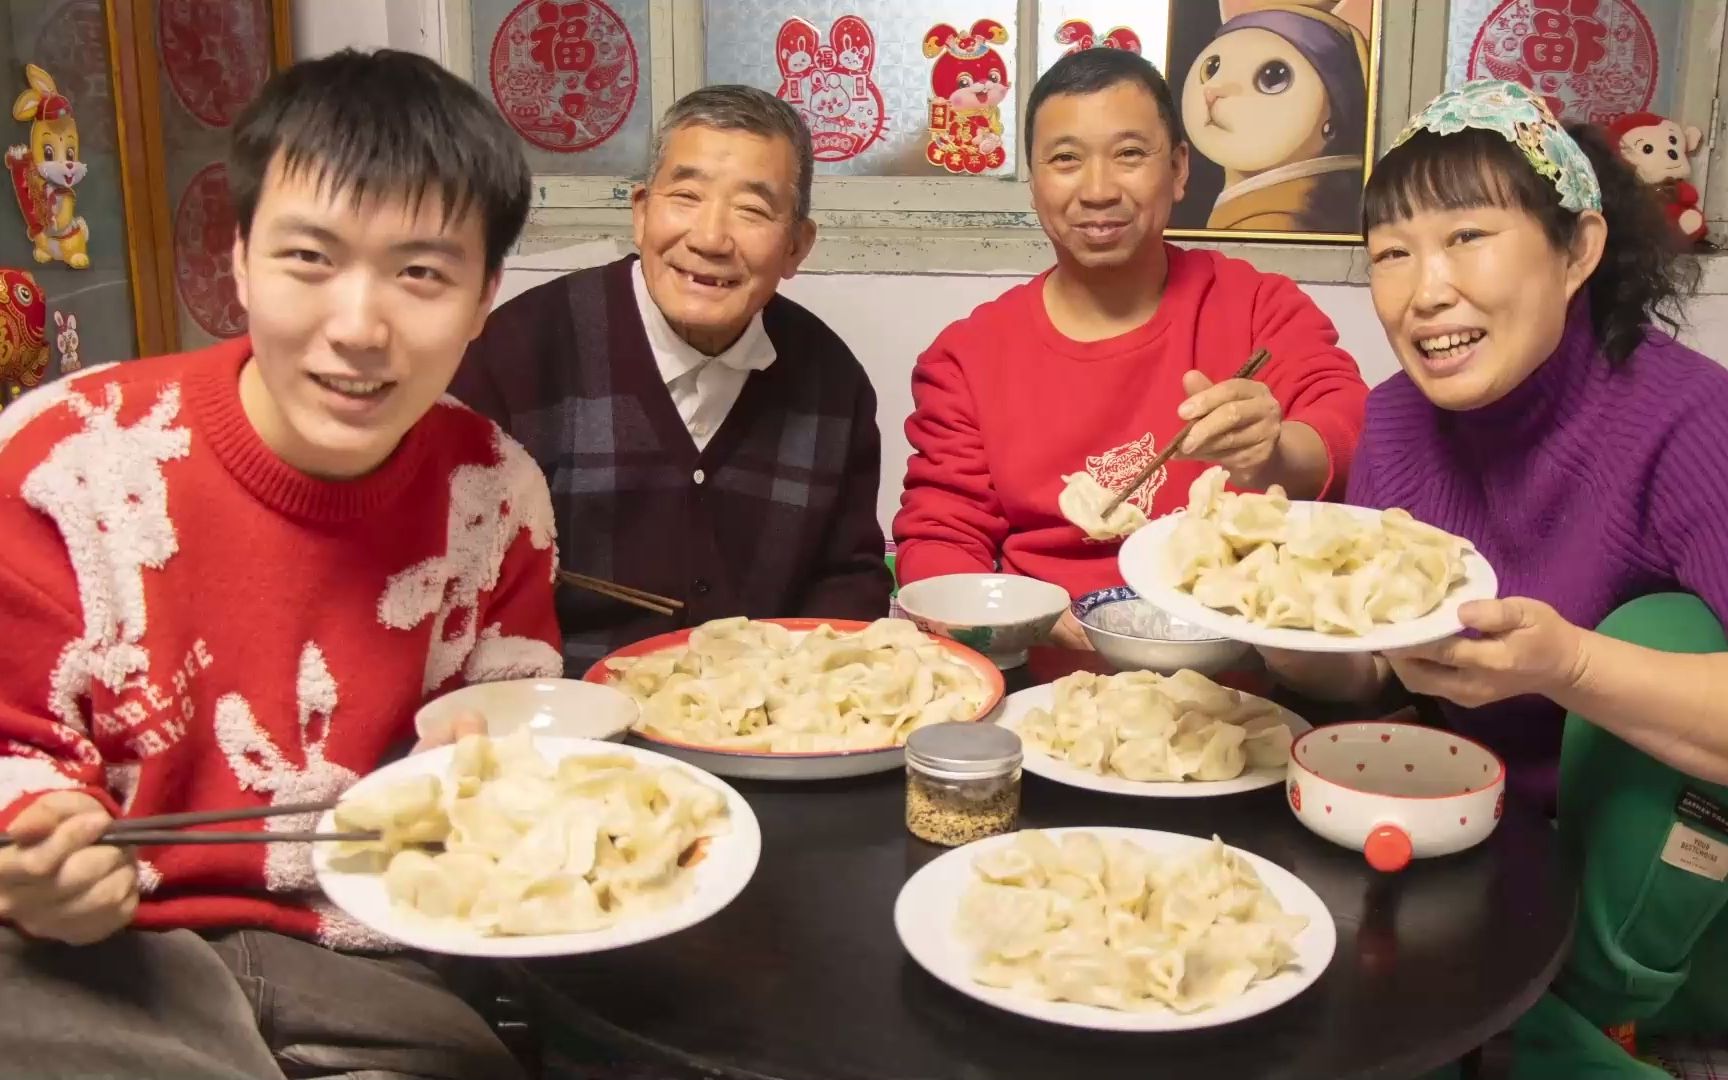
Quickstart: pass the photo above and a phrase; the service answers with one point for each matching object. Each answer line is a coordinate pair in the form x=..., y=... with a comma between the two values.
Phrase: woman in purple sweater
x=1520, y=272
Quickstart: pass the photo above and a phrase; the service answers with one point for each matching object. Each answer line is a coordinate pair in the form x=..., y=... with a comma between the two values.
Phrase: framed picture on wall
x=1279, y=104
x=129, y=252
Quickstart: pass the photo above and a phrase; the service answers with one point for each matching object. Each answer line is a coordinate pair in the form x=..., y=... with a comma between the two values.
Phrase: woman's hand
x=1524, y=647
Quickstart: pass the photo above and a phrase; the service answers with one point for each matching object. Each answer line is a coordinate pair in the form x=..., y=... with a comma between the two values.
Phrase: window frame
x=940, y=224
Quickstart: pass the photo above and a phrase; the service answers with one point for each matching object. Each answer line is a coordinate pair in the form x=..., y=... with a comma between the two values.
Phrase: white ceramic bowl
x=999, y=615
x=1133, y=634
x=1395, y=791
x=567, y=708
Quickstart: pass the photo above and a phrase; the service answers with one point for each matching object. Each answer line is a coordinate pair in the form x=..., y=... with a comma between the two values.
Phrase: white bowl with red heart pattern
x=1395, y=791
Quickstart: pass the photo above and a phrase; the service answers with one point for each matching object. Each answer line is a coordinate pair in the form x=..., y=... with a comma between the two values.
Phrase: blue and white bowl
x=1134, y=635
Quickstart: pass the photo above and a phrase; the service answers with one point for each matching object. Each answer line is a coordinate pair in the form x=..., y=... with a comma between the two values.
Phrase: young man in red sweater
x=1097, y=363
x=233, y=576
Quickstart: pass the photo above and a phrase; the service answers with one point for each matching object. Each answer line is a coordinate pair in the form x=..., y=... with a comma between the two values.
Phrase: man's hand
x=1237, y=425
x=57, y=882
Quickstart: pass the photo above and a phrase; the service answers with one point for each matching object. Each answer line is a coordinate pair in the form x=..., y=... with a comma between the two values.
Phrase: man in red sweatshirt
x=1096, y=364
x=232, y=576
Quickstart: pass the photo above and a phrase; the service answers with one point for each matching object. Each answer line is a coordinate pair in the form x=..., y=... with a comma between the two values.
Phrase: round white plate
x=929, y=904
x=1139, y=564
x=720, y=876
x=1038, y=763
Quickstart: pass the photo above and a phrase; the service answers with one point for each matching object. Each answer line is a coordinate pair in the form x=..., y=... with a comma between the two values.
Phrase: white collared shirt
x=704, y=388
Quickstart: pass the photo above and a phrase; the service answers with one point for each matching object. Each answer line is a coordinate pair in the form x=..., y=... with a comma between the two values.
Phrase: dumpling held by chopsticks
x=1082, y=502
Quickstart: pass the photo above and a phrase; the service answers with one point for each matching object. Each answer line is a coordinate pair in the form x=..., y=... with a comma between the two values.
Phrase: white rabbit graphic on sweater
x=307, y=776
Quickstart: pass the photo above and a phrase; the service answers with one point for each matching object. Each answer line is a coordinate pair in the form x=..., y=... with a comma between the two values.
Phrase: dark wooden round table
x=804, y=978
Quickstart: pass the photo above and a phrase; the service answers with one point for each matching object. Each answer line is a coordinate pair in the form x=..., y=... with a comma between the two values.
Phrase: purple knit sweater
x=1586, y=487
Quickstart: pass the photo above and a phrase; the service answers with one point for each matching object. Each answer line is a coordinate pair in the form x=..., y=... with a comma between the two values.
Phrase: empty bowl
x=1133, y=635
x=1395, y=791
x=568, y=708
x=999, y=615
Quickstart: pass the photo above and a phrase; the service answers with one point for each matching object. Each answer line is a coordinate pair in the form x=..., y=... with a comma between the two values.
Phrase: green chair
x=1651, y=945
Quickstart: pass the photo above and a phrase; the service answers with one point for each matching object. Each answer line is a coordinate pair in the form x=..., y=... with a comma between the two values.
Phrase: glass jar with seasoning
x=962, y=782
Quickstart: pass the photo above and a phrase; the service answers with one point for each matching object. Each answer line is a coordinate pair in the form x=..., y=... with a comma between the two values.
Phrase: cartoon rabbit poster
x=1278, y=101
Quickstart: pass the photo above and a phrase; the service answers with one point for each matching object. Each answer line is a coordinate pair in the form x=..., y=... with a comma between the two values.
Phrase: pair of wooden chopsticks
x=175, y=828
x=1248, y=371
x=663, y=605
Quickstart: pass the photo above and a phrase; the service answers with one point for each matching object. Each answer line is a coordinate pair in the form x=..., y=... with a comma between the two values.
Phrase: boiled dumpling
x=1082, y=502
x=1327, y=570
x=1120, y=928
x=1152, y=728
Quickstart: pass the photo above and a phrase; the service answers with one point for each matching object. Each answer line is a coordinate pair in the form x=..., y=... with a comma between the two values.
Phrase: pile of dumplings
x=533, y=848
x=1142, y=726
x=1330, y=571
x=755, y=686
x=1101, y=921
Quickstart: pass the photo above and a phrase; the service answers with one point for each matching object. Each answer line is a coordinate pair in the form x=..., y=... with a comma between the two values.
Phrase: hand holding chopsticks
x=1175, y=446
x=176, y=828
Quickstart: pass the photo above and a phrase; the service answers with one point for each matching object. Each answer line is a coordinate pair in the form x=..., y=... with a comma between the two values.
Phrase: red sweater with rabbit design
x=191, y=624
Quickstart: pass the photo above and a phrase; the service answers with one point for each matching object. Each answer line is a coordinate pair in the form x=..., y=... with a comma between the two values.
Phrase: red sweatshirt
x=1005, y=406
x=191, y=624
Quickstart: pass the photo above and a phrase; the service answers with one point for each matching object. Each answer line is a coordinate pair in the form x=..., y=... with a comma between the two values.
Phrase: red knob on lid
x=1387, y=849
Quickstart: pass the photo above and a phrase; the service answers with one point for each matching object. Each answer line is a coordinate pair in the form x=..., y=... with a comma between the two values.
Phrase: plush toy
x=1660, y=150
x=23, y=337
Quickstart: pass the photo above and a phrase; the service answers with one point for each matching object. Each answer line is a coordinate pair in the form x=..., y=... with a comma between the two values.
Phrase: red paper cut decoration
x=564, y=74
x=73, y=43
x=1592, y=59
x=204, y=253
x=216, y=54
x=971, y=82
x=1078, y=36
x=831, y=85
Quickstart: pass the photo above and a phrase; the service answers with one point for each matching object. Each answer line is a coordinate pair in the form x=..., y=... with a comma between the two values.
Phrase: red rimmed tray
x=759, y=765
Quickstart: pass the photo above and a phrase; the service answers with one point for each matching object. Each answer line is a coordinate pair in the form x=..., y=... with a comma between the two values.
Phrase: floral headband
x=1522, y=119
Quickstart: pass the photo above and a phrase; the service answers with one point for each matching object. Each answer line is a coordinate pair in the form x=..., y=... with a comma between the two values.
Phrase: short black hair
x=1644, y=275
x=386, y=123
x=1092, y=71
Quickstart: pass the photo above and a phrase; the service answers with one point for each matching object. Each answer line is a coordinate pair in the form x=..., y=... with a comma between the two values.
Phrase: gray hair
x=730, y=107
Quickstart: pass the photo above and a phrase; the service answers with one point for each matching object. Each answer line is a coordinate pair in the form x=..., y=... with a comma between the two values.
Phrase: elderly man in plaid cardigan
x=704, y=437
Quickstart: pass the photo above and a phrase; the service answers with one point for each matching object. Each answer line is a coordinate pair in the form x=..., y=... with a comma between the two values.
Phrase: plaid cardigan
x=776, y=517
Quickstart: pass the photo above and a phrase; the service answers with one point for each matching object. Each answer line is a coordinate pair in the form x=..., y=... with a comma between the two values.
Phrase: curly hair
x=1645, y=273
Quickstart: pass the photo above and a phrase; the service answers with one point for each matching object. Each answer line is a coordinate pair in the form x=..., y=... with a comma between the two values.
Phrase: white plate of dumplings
x=1257, y=759
x=520, y=817
x=1304, y=576
x=979, y=918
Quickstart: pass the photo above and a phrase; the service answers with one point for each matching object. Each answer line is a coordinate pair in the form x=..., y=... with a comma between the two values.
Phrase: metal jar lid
x=963, y=750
